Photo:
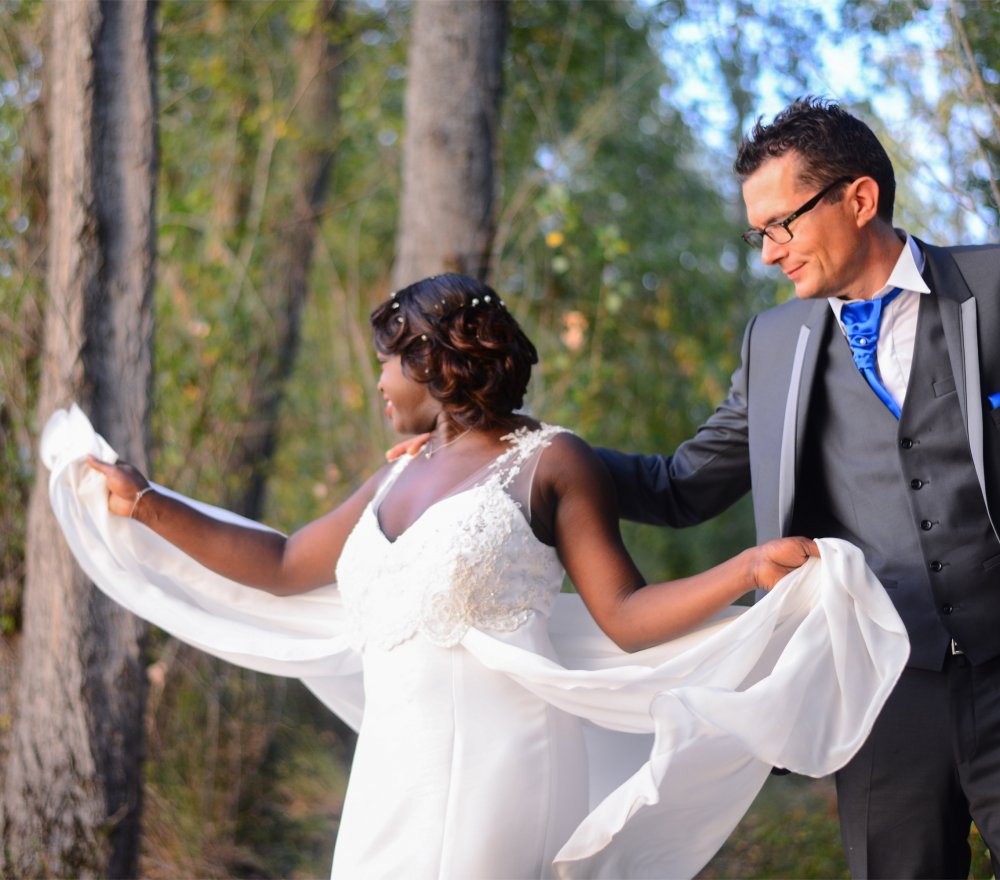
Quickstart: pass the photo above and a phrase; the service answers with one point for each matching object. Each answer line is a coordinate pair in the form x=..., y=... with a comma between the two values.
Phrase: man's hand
x=407, y=447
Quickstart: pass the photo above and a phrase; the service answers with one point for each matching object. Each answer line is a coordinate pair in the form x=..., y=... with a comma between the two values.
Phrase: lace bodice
x=470, y=560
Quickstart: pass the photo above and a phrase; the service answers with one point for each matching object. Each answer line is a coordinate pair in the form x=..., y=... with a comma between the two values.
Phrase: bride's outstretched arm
x=259, y=558
x=635, y=615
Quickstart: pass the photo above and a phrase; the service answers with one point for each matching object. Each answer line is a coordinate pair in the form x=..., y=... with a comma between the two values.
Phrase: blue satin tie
x=861, y=320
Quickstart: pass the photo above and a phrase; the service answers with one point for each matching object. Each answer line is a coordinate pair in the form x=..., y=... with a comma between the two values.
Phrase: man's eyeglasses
x=779, y=232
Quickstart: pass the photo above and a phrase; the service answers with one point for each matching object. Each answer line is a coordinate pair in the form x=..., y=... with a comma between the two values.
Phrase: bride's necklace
x=430, y=449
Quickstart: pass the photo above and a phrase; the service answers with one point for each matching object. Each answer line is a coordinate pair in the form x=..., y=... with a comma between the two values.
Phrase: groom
x=868, y=408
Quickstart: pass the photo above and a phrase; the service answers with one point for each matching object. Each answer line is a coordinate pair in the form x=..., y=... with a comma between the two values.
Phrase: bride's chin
x=412, y=421
x=405, y=426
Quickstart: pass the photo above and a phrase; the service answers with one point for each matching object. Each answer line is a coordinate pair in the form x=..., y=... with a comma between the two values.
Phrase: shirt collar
x=906, y=274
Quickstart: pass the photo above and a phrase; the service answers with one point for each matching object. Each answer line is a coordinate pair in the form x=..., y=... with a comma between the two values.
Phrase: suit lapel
x=959, y=317
x=803, y=374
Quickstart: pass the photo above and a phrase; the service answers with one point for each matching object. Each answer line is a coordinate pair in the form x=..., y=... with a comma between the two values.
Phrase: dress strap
x=526, y=444
x=390, y=478
x=515, y=471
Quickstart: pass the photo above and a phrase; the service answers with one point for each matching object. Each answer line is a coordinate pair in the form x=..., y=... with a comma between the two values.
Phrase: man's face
x=824, y=256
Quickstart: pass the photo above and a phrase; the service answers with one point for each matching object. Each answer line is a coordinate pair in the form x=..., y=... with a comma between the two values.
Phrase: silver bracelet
x=138, y=498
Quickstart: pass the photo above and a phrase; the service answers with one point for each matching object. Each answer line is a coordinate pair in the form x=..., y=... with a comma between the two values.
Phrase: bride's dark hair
x=455, y=335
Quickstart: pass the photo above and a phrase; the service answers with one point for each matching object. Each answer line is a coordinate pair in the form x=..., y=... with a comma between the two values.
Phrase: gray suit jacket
x=754, y=438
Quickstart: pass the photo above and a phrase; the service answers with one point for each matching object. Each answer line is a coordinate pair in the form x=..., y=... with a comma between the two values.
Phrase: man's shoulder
x=791, y=311
x=979, y=265
x=962, y=253
x=976, y=254
x=962, y=248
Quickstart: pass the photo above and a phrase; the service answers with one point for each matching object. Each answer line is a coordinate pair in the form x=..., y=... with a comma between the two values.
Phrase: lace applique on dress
x=470, y=560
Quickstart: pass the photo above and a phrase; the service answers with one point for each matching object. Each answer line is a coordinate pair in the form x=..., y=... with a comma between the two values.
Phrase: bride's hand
x=775, y=559
x=407, y=447
x=126, y=485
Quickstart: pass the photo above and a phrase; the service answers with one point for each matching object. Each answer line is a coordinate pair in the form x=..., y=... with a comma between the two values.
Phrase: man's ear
x=863, y=195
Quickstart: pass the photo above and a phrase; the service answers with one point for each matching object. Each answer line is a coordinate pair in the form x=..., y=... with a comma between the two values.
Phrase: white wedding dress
x=501, y=734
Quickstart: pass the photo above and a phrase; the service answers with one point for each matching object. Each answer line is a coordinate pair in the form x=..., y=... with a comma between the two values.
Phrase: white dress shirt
x=898, y=330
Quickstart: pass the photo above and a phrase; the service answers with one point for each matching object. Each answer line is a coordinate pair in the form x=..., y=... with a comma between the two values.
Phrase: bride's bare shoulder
x=569, y=458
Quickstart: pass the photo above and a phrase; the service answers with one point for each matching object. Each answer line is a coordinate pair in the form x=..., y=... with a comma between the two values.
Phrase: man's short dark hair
x=831, y=142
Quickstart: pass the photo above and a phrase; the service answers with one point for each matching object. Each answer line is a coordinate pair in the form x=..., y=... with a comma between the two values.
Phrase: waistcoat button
x=906, y=443
x=916, y=484
x=947, y=608
x=926, y=525
x=936, y=566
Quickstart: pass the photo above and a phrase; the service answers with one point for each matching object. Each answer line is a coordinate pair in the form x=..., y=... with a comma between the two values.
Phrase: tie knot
x=861, y=324
x=856, y=313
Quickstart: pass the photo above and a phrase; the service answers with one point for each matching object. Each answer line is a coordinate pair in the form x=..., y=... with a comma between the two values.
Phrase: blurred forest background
x=613, y=236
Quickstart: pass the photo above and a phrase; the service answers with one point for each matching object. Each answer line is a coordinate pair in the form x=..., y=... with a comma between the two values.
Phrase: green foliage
x=617, y=248
x=224, y=69
x=977, y=33
x=792, y=830
x=22, y=210
x=333, y=432
x=291, y=809
x=948, y=188
x=248, y=773
x=224, y=202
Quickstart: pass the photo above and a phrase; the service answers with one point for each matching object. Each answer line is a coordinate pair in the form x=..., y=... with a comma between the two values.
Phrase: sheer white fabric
x=502, y=735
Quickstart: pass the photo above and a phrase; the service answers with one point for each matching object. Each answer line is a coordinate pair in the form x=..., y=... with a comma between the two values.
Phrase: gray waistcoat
x=906, y=493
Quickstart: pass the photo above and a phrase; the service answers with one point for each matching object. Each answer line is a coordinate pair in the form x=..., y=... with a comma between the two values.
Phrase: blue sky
x=853, y=69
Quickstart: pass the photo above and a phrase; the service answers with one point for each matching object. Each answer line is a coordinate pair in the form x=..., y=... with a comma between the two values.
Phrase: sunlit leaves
x=611, y=231
x=22, y=289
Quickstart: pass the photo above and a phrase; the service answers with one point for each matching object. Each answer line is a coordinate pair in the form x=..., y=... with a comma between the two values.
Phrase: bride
x=502, y=734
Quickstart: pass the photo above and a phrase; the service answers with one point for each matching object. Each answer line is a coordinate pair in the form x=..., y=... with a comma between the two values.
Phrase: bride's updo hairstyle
x=455, y=335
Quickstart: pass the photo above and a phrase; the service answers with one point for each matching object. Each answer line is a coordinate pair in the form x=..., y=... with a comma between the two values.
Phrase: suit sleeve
x=703, y=477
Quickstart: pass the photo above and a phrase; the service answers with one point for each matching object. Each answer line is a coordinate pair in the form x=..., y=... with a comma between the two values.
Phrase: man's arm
x=705, y=475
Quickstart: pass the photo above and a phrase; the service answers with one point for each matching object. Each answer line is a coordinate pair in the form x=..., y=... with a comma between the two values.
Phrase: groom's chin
x=803, y=291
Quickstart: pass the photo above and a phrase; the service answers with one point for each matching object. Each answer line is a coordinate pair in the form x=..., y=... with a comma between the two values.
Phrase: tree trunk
x=72, y=786
x=289, y=264
x=449, y=154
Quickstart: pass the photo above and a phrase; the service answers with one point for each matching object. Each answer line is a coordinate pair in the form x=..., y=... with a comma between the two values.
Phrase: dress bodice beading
x=470, y=560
